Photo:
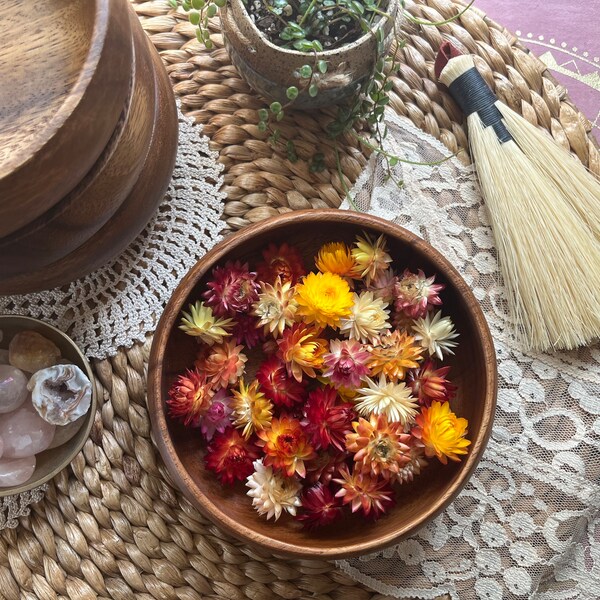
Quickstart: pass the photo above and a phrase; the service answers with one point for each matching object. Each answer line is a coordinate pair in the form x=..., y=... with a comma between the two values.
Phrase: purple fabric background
x=566, y=36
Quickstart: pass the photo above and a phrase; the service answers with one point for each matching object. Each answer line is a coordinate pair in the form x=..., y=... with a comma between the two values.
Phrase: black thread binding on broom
x=474, y=95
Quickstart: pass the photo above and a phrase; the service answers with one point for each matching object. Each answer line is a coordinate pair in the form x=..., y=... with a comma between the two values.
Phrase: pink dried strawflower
x=232, y=289
x=415, y=293
x=277, y=385
x=383, y=285
x=223, y=364
x=346, y=363
x=190, y=397
x=320, y=507
x=284, y=262
x=364, y=492
x=429, y=383
x=216, y=419
x=326, y=420
x=230, y=456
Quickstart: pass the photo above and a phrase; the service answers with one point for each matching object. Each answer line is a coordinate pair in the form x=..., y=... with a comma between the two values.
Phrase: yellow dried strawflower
x=335, y=257
x=323, y=299
x=371, y=257
x=200, y=322
x=251, y=410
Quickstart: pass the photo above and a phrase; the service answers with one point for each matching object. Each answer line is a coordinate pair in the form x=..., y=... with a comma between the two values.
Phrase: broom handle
x=474, y=95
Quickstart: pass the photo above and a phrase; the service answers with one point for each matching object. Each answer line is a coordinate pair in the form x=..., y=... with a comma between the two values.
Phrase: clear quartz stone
x=31, y=351
x=24, y=432
x=15, y=471
x=13, y=388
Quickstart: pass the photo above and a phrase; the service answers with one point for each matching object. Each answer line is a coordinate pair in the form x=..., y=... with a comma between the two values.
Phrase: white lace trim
x=527, y=525
x=120, y=303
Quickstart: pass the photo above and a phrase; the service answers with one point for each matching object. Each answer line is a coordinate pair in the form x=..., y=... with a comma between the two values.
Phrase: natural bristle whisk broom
x=545, y=215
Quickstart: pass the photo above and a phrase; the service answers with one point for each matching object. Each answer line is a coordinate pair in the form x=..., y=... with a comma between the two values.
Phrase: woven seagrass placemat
x=113, y=525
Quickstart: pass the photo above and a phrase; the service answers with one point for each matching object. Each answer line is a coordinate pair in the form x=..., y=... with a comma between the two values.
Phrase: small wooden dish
x=66, y=68
x=50, y=462
x=473, y=370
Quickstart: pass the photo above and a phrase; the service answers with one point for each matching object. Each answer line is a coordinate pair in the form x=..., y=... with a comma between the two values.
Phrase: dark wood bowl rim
x=157, y=415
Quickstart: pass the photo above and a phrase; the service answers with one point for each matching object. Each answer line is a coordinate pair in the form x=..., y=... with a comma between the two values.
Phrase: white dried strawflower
x=436, y=334
x=368, y=318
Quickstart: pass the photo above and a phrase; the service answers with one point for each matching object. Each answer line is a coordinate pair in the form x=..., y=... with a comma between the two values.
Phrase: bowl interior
x=54, y=40
x=50, y=462
x=473, y=370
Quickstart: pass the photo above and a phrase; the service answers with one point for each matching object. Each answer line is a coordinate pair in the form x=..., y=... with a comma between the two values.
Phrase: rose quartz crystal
x=13, y=388
x=15, y=471
x=30, y=351
x=24, y=432
x=3, y=357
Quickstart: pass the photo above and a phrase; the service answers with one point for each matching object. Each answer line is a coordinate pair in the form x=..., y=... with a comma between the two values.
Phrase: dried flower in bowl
x=345, y=398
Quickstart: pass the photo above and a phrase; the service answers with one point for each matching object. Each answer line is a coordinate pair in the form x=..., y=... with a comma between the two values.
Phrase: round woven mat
x=113, y=525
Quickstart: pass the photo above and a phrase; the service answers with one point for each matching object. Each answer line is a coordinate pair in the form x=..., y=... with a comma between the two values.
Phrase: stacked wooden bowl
x=88, y=137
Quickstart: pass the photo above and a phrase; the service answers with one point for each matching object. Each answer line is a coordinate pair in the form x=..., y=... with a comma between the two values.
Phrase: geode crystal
x=60, y=394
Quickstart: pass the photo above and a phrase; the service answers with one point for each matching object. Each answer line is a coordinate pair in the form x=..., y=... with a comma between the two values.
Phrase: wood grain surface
x=135, y=211
x=67, y=225
x=473, y=370
x=64, y=76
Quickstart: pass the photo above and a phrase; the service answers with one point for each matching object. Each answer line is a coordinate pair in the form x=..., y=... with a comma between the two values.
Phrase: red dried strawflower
x=285, y=446
x=429, y=384
x=320, y=507
x=246, y=332
x=190, y=397
x=325, y=421
x=232, y=289
x=277, y=385
x=230, y=456
x=325, y=466
x=283, y=261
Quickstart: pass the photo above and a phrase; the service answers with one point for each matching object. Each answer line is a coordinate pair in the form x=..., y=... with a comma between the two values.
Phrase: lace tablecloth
x=528, y=523
x=526, y=526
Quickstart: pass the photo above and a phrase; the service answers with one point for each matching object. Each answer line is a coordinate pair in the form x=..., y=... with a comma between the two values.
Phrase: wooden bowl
x=135, y=211
x=50, y=462
x=473, y=370
x=82, y=212
x=70, y=62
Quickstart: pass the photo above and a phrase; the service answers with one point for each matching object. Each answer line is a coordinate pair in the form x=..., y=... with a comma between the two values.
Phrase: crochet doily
x=121, y=302
x=527, y=524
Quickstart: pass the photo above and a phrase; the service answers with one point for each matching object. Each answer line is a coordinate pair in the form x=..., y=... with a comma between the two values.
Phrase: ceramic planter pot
x=270, y=70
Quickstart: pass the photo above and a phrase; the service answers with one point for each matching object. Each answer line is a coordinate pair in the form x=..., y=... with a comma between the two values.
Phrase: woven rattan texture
x=113, y=525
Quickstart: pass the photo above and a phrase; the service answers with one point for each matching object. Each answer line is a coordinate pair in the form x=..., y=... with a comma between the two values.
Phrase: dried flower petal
x=363, y=492
x=380, y=448
x=285, y=446
x=190, y=397
x=415, y=294
x=429, y=383
x=230, y=456
x=346, y=363
x=277, y=385
x=335, y=257
x=251, y=410
x=319, y=507
x=302, y=350
x=272, y=493
x=394, y=354
x=442, y=432
x=326, y=420
x=367, y=320
x=232, y=289
x=201, y=323
x=323, y=299
x=436, y=334
x=284, y=262
x=387, y=398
